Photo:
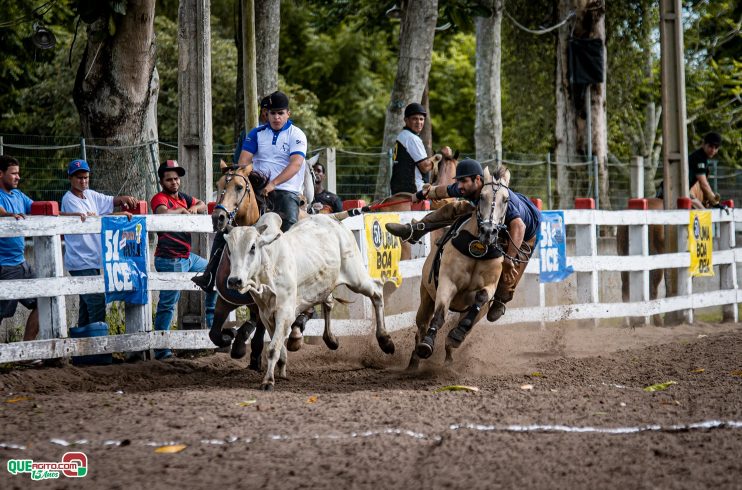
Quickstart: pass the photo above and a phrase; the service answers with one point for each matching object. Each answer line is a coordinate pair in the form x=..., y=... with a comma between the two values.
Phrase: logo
x=73, y=465
x=298, y=142
x=696, y=228
x=377, y=234
x=477, y=248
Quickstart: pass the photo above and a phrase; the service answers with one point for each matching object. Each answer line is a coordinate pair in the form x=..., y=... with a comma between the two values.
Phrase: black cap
x=264, y=102
x=170, y=165
x=712, y=139
x=469, y=168
x=276, y=101
x=413, y=109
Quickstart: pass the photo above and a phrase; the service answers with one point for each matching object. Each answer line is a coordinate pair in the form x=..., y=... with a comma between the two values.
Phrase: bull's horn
x=228, y=228
x=223, y=166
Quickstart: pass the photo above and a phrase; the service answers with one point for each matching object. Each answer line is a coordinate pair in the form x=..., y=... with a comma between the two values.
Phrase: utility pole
x=674, y=134
x=249, y=76
x=194, y=127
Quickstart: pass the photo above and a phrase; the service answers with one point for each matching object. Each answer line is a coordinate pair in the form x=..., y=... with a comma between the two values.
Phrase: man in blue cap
x=82, y=253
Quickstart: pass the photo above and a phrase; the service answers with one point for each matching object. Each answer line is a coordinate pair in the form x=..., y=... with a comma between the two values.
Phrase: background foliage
x=338, y=60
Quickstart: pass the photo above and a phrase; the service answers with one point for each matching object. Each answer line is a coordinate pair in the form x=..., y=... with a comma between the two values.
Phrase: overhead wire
x=30, y=16
x=540, y=31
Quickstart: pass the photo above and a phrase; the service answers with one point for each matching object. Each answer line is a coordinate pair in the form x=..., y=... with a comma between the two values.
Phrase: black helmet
x=413, y=109
x=468, y=168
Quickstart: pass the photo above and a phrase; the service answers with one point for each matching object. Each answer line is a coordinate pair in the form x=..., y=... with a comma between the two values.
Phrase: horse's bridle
x=496, y=186
x=231, y=174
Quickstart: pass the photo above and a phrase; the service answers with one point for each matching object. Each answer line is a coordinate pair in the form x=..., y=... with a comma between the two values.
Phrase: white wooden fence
x=52, y=285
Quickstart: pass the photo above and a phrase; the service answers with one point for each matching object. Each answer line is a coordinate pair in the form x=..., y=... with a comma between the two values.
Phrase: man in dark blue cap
x=522, y=219
x=278, y=149
x=411, y=162
x=82, y=253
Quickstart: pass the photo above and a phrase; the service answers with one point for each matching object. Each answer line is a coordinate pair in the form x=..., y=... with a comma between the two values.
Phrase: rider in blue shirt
x=522, y=219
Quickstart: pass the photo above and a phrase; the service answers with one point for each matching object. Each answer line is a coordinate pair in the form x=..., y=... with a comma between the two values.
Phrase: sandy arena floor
x=355, y=418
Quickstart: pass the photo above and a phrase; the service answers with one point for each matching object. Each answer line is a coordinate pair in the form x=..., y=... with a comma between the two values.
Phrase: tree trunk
x=116, y=97
x=651, y=113
x=427, y=133
x=570, y=132
x=488, y=124
x=415, y=51
x=267, y=35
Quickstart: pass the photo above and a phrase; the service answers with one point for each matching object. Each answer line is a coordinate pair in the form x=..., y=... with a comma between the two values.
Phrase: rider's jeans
x=286, y=204
x=168, y=299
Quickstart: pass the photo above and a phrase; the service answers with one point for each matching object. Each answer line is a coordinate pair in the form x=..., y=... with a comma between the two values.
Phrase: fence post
x=637, y=177
x=2, y=149
x=586, y=244
x=47, y=252
x=83, y=152
x=685, y=281
x=728, y=272
x=715, y=165
x=330, y=162
x=549, y=199
x=639, y=245
x=596, y=183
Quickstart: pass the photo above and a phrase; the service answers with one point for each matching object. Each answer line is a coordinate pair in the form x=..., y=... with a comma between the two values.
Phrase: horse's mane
x=500, y=172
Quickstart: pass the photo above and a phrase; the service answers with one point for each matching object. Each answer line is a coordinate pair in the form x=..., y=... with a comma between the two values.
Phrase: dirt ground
x=355, y=418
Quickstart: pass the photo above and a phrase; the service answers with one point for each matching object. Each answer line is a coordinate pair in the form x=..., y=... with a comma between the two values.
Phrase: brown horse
x=464, y=284
x=237, y=205
x=656, y=247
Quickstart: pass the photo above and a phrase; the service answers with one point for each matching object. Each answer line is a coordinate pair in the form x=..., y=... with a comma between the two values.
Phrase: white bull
x=287, y=273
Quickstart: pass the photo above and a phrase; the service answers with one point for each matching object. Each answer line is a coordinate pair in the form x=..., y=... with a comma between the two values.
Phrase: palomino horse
x=470, y=266
x=656, y=247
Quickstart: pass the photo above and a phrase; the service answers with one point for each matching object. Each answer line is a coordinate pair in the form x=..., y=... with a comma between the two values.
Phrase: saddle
x=466, y=243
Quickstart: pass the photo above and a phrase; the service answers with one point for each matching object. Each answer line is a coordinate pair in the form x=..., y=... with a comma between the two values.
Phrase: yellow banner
x=384, y=249
x=700, y=244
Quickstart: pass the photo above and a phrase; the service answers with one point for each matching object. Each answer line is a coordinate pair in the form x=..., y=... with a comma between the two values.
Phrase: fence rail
x=588, y=263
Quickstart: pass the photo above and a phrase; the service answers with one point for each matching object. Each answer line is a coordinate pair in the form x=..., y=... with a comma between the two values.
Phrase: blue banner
x=552, y=241
x=124, y=245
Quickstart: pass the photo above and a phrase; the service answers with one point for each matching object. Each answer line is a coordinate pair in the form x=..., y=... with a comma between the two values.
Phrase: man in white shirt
x=82, y=253
x=411, y=162
x=278, y=149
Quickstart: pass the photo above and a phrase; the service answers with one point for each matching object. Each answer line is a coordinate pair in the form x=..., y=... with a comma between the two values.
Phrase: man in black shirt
x=325, y=202
x=698, y=169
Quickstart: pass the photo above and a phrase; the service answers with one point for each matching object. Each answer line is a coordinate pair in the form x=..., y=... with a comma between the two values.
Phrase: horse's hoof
x=267, y=387
x=294, y=342
x=424, y=350
x=239, y=346
x=255, y=365
x=386, y=344
x=455, y=337
x=331, y=342
x=222, y=338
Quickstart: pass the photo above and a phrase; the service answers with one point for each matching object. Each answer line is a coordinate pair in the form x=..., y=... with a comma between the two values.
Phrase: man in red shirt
x=173, y=252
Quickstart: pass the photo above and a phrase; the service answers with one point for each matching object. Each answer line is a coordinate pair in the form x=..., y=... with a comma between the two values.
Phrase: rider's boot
x=497, y=309
x=410, y=232
x=207, y=279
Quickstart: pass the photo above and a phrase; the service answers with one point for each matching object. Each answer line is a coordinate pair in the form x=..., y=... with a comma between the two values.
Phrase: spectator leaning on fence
x=325, y=202
x=173, y=252
x=82, y=253
x=411, y=162
x=15, y=204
